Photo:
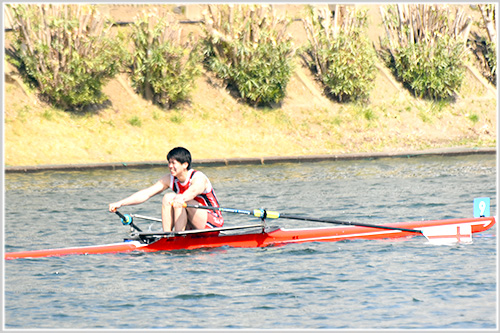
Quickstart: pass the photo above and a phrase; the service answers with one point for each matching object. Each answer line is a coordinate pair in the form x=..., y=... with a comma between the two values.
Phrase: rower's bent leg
x=197, y=217
x=180, y=218
x=167, y=212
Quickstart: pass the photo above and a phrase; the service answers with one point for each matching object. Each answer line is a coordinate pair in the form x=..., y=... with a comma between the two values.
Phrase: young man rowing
x=189, y=187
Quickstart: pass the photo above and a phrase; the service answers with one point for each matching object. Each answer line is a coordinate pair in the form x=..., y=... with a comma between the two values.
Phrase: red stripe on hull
x=276, y=237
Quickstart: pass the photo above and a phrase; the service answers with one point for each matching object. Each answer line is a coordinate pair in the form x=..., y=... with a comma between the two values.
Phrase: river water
x=406, y=284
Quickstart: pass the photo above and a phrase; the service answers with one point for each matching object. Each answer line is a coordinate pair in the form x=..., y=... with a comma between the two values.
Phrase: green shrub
x=247, y=46
x=66, y=50
x=341, y=56
x=489, y=49
x=164, y=69
x=431, y=72
x=426, y=55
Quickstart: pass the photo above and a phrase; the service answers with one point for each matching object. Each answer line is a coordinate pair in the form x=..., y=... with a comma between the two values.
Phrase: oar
x=128, y=220
x=274, y=215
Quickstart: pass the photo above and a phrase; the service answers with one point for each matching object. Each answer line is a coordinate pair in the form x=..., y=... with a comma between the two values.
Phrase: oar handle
x=123, y=217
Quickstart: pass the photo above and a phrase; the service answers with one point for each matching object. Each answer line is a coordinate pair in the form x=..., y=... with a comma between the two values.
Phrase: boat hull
x=98, y=249
x=461, y=228
x=289, y=236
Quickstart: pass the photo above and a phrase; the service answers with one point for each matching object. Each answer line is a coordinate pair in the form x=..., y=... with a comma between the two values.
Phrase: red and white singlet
x=207, y=198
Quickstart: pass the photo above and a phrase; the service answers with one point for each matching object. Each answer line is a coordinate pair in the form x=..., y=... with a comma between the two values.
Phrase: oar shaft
x=358, y=224
x=228, y=210
x=274, y=215
x=121, y=215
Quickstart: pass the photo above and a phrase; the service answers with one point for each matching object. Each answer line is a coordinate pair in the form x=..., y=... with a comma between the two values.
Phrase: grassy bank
x=215, y=125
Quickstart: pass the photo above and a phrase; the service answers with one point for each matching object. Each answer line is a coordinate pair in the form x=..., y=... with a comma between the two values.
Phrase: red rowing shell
x=463, y=227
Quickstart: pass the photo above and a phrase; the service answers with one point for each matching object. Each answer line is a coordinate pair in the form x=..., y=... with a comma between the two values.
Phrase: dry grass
x=214, y=125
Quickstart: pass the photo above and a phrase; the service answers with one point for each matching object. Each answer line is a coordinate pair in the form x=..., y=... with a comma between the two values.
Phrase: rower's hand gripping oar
x=127, y=220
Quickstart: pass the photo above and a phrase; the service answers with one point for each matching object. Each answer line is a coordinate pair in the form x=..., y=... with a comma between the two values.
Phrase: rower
x=188, y=187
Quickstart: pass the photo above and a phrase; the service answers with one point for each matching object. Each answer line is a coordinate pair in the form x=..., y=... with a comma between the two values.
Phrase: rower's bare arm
x=197, y=187
x=141, y=196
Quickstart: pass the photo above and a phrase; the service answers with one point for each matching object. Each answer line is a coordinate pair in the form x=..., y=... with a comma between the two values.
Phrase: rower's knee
x=167, y=199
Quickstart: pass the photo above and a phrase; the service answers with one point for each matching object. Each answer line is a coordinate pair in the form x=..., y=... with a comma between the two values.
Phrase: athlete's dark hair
x=181, y=154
